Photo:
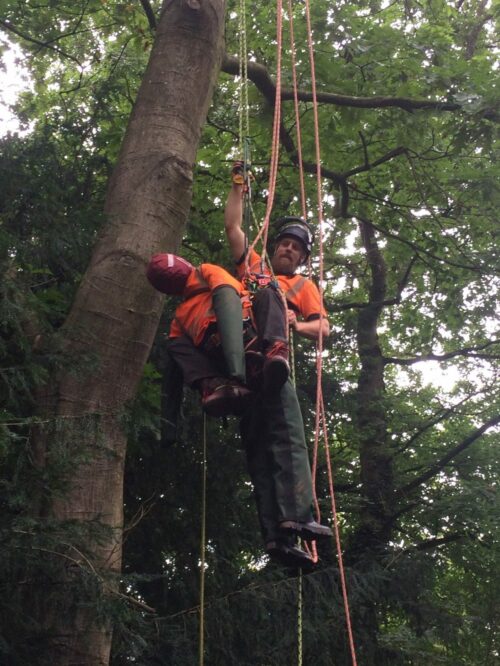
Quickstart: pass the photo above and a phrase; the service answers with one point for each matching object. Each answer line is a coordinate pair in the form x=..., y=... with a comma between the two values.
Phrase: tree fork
x=115, y=314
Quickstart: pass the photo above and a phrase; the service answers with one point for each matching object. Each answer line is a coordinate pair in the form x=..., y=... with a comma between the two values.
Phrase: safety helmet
x=298, y=228
x=168, y=273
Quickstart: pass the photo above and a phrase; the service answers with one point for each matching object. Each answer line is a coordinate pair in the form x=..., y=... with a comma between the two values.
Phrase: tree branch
x=148, y=10
x=466, y=351
x=338, y=179
x=420, y=250
x=259, y=75
x=8, y=26
x=400, y=150
x=442, y=462
x=475, y=31
x=438, y=417
x=396, y=300
x=435, y=542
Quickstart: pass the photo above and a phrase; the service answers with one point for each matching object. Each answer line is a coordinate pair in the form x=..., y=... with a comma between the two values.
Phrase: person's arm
x=233, y=218
x=308, y=329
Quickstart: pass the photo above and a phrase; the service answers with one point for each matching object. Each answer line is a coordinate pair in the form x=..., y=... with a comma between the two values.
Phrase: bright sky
x=13, y=80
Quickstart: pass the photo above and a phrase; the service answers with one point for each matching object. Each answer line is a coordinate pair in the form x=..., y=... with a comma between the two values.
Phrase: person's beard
x=283, y=264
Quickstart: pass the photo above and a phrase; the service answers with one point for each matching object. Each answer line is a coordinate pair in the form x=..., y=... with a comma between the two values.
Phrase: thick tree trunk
x=375, y=457
x=115, y=314
x=373, y=532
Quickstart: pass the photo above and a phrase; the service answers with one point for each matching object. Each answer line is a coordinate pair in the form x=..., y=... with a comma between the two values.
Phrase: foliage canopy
x=409, y=152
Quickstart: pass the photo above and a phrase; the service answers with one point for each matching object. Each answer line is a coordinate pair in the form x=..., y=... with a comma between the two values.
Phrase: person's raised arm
x=233, y=218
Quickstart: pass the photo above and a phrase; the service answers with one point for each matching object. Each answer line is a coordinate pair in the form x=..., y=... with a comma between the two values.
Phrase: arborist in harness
x=210, y=317
x=272, y=428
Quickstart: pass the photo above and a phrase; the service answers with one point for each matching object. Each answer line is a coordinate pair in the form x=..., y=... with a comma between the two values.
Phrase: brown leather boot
x=224, y=397
x=287, y=553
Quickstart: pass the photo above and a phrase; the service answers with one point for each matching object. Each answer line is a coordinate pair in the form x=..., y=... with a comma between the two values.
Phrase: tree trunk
x=373, y=532
x=115, y=314
x=375, y=457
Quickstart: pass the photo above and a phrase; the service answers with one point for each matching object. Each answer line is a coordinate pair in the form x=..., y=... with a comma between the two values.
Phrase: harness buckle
x=260, y=281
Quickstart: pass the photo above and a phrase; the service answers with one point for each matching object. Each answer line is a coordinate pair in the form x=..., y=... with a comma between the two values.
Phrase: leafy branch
x=339, y=179
x=470, y=352
x=47, y=45
x=439, y=416
x=434, y=542
x=259, y=75
x=423, y=251
x=396, y=300
x=448, y=457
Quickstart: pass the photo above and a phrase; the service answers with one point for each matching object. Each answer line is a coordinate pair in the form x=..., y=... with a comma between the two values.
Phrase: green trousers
x=278, y=460
x=227, y=307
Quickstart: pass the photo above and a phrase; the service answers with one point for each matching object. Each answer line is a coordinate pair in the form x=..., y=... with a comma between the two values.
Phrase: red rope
x=320, y=420
x=320, y=408
x=312, y=551
x=297, y=114
x=275, y=143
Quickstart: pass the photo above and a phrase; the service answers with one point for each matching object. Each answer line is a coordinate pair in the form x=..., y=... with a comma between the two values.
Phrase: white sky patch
x=14, y=79
x=435, y=374
x=349, y=244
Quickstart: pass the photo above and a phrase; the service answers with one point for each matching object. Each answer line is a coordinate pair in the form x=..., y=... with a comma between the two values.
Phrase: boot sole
x=221, y=405
x=306, y=534
x=289, y=560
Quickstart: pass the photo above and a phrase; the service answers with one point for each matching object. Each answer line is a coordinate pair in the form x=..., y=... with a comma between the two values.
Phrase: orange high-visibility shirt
x=301, y=294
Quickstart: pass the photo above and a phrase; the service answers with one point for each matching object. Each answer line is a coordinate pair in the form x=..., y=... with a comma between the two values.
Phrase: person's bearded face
x=288, y=255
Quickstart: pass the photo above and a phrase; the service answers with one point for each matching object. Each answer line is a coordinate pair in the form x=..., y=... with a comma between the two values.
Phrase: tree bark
x=115, y=314
x=373, y=532
x=375, y=457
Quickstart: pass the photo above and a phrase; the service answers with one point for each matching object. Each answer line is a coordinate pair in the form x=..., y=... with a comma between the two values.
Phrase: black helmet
x=297, y=228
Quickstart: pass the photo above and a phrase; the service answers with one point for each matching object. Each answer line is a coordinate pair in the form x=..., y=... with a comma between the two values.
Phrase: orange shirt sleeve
x=310, y=302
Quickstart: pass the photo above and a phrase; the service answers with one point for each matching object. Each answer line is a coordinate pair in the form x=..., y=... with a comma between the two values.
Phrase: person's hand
x=238, y=173
x=292, y=319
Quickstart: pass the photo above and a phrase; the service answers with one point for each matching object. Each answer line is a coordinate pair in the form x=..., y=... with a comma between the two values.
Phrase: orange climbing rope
x=320, y=407
x=320, y=421
x=262, y=235
x=275, y=142
x=303, y=202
